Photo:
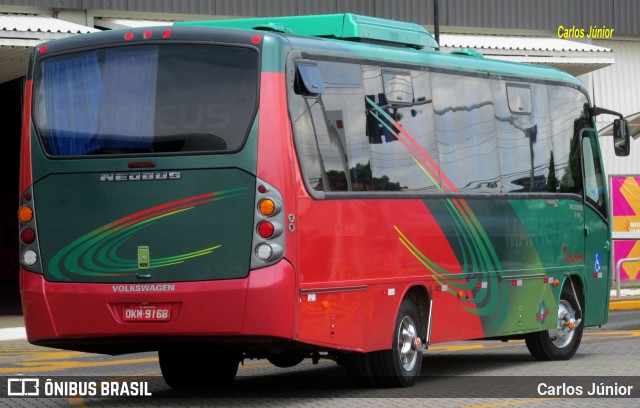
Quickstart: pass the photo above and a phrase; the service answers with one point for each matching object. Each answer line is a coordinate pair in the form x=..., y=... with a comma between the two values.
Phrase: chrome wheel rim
x=563, y=334
x=407, y=351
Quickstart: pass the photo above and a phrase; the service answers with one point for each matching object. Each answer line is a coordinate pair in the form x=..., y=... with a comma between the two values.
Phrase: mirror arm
x=595, y=111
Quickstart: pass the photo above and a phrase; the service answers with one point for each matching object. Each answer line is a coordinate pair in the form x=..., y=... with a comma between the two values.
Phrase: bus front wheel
x=195, y=367
x=562, y=342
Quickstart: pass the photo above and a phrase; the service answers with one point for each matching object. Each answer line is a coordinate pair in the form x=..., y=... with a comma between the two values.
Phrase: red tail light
x=27, y=235
x=269, y=219
x=266, y=229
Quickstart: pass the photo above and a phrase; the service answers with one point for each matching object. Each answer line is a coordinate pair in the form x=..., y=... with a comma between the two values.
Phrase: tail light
x=29, y=249
x=268, y=237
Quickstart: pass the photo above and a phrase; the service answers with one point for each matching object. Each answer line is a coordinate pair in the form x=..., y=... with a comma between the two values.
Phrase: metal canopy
x=19, y=33
x=634, y=127
x=572, y=57
x=116, y=23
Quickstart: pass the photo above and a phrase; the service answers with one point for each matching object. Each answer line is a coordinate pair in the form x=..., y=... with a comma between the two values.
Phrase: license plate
x=157, y=312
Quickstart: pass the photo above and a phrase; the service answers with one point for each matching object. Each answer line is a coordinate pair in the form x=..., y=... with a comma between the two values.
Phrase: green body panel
x=517, y=247
x=598, y=272
x=198, y=227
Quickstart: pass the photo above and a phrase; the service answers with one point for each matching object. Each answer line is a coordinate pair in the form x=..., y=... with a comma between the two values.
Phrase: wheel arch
x=421, y=298
x=571, y=282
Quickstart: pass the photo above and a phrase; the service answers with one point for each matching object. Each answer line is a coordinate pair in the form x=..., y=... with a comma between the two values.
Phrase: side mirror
x=621, y=142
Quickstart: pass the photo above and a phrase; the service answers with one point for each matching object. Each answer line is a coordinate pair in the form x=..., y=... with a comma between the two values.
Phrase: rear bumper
x=65, y=315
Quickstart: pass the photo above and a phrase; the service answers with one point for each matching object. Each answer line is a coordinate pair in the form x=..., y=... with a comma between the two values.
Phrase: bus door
x=596, y=232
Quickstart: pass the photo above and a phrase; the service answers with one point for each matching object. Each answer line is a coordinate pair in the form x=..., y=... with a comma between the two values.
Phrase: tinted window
x=330, y=131
x=524, y=140
x=465, y=128
x=466, y=133
x=146, y=99
x=401, y=137
x=593, y=181
x=568, y=118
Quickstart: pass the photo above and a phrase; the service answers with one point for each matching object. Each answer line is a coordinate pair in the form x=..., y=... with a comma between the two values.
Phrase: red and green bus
x=327, y=186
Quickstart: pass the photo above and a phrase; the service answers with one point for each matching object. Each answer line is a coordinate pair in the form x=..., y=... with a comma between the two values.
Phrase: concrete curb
x=13, y=333
x=625, y=305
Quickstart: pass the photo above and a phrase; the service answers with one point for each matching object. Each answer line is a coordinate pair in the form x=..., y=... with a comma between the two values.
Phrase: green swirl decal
x=479, y=260
x=95, y=254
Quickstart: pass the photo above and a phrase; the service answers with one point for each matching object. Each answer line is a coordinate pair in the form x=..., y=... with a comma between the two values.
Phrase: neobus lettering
x=158, y=175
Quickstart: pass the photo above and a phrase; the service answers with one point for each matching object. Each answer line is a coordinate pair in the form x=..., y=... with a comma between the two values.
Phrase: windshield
x=146, y=99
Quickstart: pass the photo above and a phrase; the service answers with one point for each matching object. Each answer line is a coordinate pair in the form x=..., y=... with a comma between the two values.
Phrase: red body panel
x=277, y=161
x=354, y=245
x=217, y=308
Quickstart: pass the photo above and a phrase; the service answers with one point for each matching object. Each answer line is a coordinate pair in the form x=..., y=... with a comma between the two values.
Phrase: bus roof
x=385, y=39
x=344, y=26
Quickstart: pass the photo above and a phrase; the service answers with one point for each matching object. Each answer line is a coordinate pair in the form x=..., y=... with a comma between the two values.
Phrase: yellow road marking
x=506, y=403
x=77, y=402
x=32, y=367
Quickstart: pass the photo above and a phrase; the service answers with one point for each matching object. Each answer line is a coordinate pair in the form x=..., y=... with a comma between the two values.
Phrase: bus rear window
x=169, y=98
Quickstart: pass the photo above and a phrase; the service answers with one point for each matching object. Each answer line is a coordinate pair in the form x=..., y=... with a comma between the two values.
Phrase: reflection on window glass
x=400, y=159
x=330, y=131
x=566, y=108
x=351, y=138
x=477, y=133
x=524, y=141
x=137, y=99
x=465, y=128
x=593, y=182
x=397, y=88
x=519, y=97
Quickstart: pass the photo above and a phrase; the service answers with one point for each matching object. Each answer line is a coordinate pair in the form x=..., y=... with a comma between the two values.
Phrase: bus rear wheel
x=359, y=369
x=562, y=342
x=400, y=366
x=193, y=368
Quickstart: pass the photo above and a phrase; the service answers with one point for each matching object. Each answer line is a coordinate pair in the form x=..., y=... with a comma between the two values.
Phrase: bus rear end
x=146, y=221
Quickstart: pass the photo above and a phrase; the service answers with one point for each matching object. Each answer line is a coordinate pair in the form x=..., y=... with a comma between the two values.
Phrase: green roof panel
x=347, y=26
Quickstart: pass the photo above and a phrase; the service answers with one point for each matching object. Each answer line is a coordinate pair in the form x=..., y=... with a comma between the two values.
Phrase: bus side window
x=566, y=107
x=400, y=130
x=328, y=128
x=466, y=127
x=524, y=137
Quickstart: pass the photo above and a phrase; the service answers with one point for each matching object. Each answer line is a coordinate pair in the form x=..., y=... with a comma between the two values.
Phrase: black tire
x=360, y=369
x=286, y=360
x=400, y=366
x=562, y=342
x=198, y=368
